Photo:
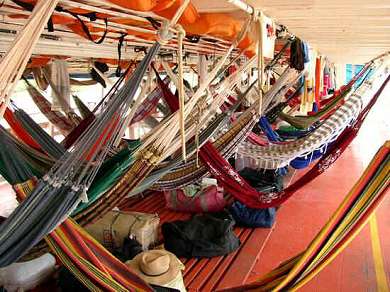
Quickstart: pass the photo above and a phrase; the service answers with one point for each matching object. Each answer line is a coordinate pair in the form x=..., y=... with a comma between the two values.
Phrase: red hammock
x=19, y=130
x=236, y=186
x=141, y=114
x=169, y=97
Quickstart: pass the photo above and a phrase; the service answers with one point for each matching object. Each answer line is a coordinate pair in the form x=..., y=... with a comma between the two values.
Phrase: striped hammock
x=349, y=218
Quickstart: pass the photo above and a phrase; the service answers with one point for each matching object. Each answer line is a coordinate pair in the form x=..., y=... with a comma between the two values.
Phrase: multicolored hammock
x=236, y=186
x=64, y=124
x=45, y=141
x=228, y=142
x=304, y=122
x=279, y=155
x=143, y=111
x=61, y=190
x=88, y=260
x=169, y=97
x=349, y=218
x=115, y=167
x=38, y=161
x=18, y=129
x=151, y=101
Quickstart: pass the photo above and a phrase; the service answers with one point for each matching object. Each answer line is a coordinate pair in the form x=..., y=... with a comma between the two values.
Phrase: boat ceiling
x=347, y=31
x=351, y=31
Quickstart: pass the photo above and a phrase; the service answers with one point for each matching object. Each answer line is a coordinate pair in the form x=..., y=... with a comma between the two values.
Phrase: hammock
x=18, y=129
x=154, y=150
x=305, y=122
x=59, y=120
x=338, y=232
x=46, y=207
x=235, y=185
x=143, y=111
x=172, y=166
x=229, y=141
x=279, y=155
x=45, y=141
x=14, y=62
x=83, y=109
x=117, y=165
x=151, y=101
x=113, y=169
x=169, y=97
x=89, y=261
x=65, y=185
x=366, y=110
x=255, y=285
x=12, y=167
x=38, y=161
x=142, y=167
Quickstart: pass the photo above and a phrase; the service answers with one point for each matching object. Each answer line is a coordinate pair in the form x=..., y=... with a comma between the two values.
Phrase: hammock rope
x=15, y=61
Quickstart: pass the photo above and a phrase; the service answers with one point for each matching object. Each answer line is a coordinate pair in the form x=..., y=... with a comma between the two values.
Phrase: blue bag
x=248, y=217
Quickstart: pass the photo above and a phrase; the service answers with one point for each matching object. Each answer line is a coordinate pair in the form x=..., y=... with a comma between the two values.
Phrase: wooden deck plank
x=246, y=259
x=208, y=274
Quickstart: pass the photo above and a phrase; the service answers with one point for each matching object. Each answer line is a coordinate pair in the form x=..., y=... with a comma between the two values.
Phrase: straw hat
x=158, y=267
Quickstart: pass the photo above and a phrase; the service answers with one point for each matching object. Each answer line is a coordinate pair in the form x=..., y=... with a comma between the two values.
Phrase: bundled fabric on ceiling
x=40, y=78
x=297, y=55
x=189, y=15
x=57, y=76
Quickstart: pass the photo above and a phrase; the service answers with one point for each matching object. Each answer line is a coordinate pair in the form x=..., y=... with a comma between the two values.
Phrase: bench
x=208, y=274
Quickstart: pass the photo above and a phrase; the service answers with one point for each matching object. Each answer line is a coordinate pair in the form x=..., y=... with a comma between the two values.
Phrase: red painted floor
x=302, y=216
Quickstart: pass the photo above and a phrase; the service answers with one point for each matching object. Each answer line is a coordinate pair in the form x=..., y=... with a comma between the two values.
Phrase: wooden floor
x=218, y=272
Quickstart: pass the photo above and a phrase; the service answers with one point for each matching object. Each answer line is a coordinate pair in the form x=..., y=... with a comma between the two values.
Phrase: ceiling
x=347, y=31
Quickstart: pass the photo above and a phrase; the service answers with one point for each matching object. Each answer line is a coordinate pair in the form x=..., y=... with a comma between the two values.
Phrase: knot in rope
x=164, y=35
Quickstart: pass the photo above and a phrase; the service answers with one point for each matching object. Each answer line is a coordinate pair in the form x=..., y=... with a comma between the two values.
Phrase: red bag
x=209, y=199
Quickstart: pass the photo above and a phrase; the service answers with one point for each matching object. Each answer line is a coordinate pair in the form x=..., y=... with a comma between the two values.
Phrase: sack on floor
x=253, y=218
x=27, y=275
x=115, y=226
x=205, y=235
x=209, y=199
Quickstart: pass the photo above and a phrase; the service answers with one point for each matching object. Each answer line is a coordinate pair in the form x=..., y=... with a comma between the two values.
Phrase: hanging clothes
x=58, y=77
